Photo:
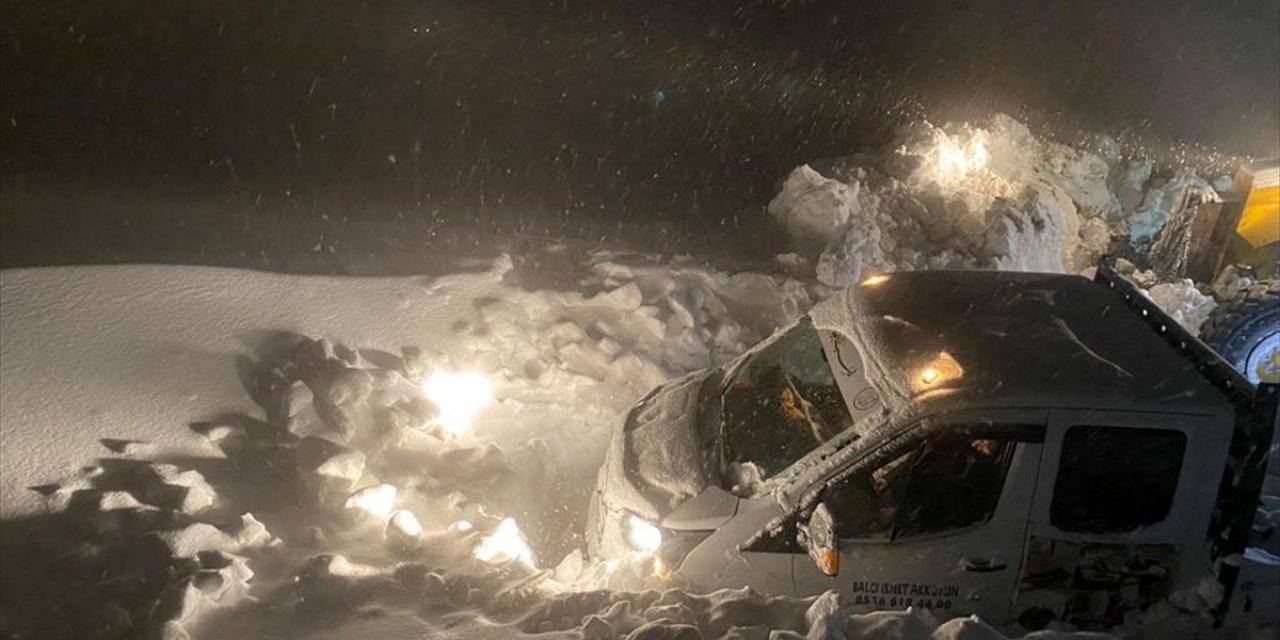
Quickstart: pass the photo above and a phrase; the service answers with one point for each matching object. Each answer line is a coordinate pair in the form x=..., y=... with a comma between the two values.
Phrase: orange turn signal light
x=829, y=562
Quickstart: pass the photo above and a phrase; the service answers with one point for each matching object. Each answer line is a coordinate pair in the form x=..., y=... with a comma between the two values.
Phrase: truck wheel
x=1246, y=332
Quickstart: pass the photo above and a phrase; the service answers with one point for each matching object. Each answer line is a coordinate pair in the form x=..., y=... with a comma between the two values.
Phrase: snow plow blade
x=1256, y=411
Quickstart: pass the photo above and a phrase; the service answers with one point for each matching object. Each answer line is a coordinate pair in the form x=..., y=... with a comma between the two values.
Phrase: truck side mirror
x=818, y=537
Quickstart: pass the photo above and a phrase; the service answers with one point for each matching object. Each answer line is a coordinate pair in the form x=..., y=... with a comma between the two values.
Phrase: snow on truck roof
x=957, y=339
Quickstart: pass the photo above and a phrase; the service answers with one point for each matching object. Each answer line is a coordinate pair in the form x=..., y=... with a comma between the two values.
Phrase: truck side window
x=947, y=481
x=956, y=483
x=1115, y=479
x=865, y=505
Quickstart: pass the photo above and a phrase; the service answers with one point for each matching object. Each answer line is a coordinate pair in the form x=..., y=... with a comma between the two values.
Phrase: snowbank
x=957, y=197
x=978, y=197
x=284, y=428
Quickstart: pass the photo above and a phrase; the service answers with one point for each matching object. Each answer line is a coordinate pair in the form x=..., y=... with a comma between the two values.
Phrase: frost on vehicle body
x=1025, y=447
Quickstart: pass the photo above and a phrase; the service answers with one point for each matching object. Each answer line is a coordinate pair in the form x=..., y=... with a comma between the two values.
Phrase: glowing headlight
x=459, y=396
x=644, y=537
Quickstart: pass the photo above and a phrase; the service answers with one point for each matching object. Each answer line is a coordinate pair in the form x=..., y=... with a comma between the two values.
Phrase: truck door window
x=1115, y=479
x=782, y=402
x=944, y=482
x=866, y=505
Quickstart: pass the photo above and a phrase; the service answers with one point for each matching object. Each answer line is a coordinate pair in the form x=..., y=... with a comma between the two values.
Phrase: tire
x=1246, y=332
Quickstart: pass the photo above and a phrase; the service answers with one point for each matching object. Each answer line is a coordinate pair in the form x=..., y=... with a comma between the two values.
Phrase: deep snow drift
x=213, y=453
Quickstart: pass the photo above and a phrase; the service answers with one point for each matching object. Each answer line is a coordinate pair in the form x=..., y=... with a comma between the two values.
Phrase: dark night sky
x=247, y=133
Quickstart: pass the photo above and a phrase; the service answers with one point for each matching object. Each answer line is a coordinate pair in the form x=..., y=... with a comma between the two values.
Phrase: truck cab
x=1029, y=448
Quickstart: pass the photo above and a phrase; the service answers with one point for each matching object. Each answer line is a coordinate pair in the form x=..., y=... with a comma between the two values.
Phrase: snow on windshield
x=782, y=402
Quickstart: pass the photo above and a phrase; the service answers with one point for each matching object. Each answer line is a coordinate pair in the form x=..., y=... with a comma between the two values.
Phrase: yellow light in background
x=458, y=396
x=504, y=545
x=936, y=372
x=956, y=160
x=875, y=280
x=951, y=159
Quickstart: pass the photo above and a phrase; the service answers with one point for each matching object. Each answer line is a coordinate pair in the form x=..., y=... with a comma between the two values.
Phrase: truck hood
x=662, y=456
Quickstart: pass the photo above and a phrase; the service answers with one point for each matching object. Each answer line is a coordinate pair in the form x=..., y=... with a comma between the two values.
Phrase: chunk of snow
x=378, y=501
x=746, y=477
x=334, y=466
x=892, y=625
x=403, y=530
x=505, y=544
x=1184, y=302
x=1161, y=203
x=596, y=628
x=199, y=537
x=813, y=209
x=966, y=628
x=169, y=487
x=1129, y=182
x=825, y=619
x=118, y=500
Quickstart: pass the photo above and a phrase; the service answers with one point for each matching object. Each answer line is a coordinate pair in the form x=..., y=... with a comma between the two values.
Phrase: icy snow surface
x=209, y=453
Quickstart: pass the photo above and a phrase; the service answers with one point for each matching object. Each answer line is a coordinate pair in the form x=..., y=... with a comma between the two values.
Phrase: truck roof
x=1004, y=339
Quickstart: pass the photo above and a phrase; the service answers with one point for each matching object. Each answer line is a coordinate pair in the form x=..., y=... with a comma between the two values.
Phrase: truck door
x=1120, y=514
x=936, y=522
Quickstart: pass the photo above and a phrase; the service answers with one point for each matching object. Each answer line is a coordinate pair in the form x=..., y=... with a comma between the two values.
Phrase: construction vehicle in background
x=1233, y=242
x=1233, y=238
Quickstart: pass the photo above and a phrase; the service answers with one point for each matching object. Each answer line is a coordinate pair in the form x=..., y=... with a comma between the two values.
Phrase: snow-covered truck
x=1030, y=448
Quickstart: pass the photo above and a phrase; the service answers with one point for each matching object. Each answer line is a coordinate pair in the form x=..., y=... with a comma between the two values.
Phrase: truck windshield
x=782, y=402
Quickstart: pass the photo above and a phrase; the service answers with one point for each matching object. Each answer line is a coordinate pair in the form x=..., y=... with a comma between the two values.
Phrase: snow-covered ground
x=221, y=453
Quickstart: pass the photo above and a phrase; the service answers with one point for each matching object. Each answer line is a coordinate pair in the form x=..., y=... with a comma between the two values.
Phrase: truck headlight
x=644, y=537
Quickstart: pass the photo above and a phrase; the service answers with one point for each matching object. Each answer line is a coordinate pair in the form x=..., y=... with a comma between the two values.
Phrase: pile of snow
x=1182, y=299
x=343, y=451
x=638, y=323
x=951, y=198
x=1163, y=199
x=139, y=547
x=1184, y=302
x=378, y=515
x=966, y=197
